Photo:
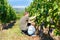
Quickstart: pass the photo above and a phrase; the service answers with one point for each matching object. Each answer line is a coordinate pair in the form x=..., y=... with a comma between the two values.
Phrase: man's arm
x=33, y=17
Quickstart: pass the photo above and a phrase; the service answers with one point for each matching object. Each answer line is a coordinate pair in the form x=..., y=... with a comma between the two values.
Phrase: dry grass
x=14, y=33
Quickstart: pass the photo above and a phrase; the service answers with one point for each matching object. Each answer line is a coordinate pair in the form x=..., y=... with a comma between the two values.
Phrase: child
x=31, y=29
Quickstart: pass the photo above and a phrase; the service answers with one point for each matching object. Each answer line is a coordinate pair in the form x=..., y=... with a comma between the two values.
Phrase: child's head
x=33, y=23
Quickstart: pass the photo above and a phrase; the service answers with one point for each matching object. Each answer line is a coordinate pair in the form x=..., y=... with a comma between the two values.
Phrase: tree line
x=47, y=13
x=7, y=13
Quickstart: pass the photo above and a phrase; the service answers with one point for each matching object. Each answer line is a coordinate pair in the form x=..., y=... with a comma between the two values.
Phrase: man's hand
x=33, y=17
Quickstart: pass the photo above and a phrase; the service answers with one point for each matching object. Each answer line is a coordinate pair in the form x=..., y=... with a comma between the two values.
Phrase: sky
x=19, y=3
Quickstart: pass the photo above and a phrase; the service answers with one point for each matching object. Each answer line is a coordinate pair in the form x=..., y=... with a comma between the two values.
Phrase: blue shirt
x=31, y=30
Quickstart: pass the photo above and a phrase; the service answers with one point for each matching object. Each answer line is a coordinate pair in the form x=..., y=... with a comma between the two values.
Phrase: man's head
x=26, y=14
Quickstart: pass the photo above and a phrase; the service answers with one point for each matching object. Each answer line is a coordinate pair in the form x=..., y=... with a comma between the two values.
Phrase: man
x=24, y=22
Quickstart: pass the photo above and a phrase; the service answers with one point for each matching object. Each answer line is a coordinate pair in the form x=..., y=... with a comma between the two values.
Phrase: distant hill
x=19, y=10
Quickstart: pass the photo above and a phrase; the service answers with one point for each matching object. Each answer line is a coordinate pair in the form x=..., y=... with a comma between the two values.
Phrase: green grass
x=11, y=33
x=15, y=29
x=19, y=15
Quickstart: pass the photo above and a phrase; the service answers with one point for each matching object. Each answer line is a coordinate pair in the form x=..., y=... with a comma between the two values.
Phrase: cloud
x=19, y=6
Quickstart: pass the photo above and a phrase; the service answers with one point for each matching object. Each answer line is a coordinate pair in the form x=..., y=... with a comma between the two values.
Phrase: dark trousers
x=24, y=31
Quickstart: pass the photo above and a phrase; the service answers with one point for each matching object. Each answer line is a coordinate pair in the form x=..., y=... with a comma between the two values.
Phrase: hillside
x=19, y=10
